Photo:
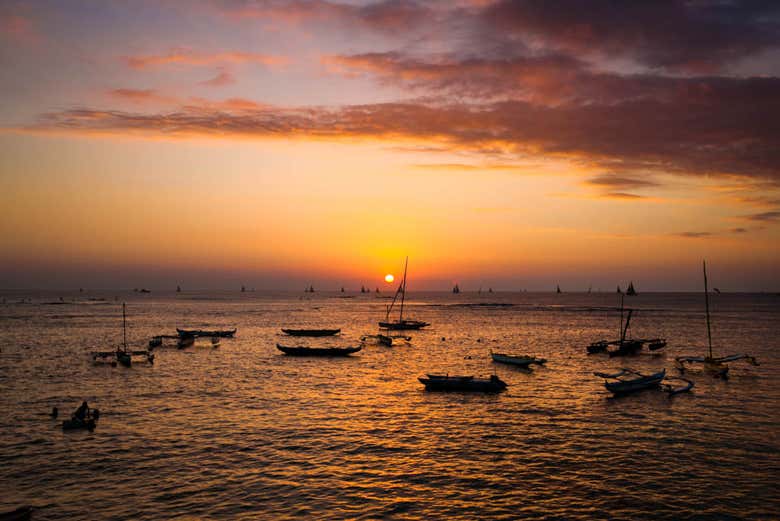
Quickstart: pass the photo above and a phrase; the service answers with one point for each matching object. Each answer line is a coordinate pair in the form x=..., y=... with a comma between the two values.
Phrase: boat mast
x=620, y=331
x=124, y=327
x=403, y=293
x=707, y=307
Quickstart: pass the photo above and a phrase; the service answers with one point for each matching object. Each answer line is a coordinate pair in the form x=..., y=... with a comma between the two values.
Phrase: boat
x=124, y=358
x=625, y=346
x=456, y=289
x=628, y=381
x=518, y=360
x=224, y=333
x=631, y=291
x=716, y=366
x=318, y=351
x=401, y=324
x=433, y=382
x=76, y=424
x=186, y=341
x=558, y=289
x=385, y=340
x=311, y=332
x=20, y=514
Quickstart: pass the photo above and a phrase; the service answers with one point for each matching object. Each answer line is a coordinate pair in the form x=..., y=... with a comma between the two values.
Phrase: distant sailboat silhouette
x=490, y=290
x=558, y=289
x=178, y=289
x=631, y=291
x=456, y=289
x=619, y=290
x=243, y=289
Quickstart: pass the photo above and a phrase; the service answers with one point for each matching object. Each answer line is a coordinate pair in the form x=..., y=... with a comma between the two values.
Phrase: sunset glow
x=389, y=278
x=285, y=149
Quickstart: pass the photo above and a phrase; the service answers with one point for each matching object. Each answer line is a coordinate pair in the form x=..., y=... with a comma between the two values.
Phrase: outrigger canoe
x=318, y=351
x=311, y=332
x=434, y=382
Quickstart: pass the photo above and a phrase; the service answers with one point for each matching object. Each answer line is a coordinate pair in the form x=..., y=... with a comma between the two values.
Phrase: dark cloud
x=738, y=230
x=618, y=181
x=772, y=216
x=691, y=36
x=690, y=135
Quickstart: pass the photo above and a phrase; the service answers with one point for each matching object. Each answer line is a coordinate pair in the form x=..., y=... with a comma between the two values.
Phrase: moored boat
x=433, y=382
x=628, y=381
x=317, y=351
x=402, y=323
x=223, y=333
x=311, y=332
x=518, y=360
x=385, y=340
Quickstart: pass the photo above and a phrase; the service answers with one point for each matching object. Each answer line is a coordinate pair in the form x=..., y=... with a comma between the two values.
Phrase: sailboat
x=402, y=323
x=456, y=289
x=122, y=354
x=626, y=346
x=631, y=291
x=715, y=366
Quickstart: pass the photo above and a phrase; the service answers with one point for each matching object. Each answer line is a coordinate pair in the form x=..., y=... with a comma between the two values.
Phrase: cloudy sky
x=277, y=143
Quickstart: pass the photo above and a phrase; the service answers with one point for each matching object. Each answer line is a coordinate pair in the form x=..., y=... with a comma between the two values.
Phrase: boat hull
x=520, y=361
x=404, y=325
x=462, y=384
x=311, y=332
x=318, y=351
x=638, y=384
x=203, y=332
x=76, y=424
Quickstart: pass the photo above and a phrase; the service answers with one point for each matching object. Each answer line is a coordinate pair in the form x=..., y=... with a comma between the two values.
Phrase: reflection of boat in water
x=318, y=351
x=628, y=381
x=518, y=360
x=402, y=323
x=433, y=382
x=311, y=332
x=715, y=366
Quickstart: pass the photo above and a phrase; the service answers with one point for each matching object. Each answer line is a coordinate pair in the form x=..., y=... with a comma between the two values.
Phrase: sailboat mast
x=403, y=293
x=620, y=331
x=124, y=327
x=707, y=307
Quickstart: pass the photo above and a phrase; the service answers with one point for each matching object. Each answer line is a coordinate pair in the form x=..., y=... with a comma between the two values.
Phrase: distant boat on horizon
x=456, y=289
x=631, y=291
x=558, y=289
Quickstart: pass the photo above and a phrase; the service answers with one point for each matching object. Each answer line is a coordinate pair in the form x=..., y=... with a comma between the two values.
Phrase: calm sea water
x=242, y=431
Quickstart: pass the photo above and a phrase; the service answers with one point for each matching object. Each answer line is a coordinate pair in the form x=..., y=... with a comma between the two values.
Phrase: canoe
x=619, y=384
x=434, y=382
x=224, y=333
x=75, y=424
x=20, y=514
x=311, y=332
x=405, y=324
x=521, y=361
x=318, y=351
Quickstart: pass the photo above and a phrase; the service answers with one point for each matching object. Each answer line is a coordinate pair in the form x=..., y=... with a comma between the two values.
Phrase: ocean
x=244, y=432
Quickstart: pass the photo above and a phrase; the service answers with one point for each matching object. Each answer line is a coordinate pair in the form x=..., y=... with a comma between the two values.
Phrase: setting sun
x=389, y=278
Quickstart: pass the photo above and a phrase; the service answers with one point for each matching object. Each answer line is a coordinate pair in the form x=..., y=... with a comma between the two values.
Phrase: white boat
x=518, y=360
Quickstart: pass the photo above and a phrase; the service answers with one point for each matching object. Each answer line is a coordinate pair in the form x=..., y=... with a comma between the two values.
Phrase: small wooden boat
x=656, y=343
x=628, y=381
x=223, y=333
x=518, y=360
x=311, y=332
x=317, y=351
x=433, y=382
x=20, y=514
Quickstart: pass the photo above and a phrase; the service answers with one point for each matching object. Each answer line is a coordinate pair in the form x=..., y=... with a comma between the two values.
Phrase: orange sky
x=273, y=151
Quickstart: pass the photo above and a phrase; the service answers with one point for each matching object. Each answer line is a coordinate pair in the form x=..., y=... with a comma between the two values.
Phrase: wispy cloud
x=695, y=235
x=194, y=58
x=772, y=216
x=222, y=78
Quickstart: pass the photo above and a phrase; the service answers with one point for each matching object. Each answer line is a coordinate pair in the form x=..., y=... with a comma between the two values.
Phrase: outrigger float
x=716, y=366
x=627, y=381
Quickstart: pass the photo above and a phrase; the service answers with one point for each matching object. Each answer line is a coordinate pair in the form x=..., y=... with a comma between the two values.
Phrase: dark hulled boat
x=433, y=382
x=402, y=323
x=223, y=333
x=628, y=381
x=317, y=351
x=311, y=332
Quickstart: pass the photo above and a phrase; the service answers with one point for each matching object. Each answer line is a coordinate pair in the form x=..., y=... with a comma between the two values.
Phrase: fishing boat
x=434, y=382
x=518, y=360
x=628, y=381
x=402, y=323
x=311, y=332
x=89, y=422
x=20, y=514
x=716, y=366
x=224, y=333
x=318, y=351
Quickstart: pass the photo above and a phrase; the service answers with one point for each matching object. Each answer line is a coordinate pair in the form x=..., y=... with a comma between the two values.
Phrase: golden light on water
x=389, y=278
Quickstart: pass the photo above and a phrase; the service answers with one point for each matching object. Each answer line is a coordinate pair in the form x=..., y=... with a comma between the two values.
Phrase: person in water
x=82, y=412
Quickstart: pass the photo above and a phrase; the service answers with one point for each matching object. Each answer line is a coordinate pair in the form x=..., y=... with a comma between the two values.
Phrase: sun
x=389, y=278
